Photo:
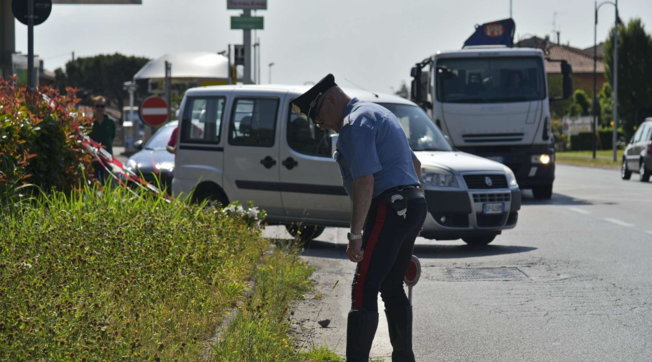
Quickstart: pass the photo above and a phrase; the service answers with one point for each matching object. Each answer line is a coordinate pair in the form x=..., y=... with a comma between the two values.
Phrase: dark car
x=638, y=153
x=153, y=161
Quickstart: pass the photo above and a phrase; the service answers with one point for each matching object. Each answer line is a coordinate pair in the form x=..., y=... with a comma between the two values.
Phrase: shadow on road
x=464, y=251
x=326, y=249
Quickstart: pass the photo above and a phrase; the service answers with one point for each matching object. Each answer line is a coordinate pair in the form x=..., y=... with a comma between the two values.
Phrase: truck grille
x=501, y=197
x=495, y=137
x=486, y=181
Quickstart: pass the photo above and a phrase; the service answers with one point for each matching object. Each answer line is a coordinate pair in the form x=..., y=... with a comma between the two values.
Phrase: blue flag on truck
x=499, y=32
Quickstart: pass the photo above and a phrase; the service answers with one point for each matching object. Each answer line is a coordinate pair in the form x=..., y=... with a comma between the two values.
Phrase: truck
x=491, y=99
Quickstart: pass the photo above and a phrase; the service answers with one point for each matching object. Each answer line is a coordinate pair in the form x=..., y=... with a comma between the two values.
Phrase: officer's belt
x=409, y=192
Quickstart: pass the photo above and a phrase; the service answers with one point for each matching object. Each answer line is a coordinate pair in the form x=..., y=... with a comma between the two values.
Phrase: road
x=572, y=282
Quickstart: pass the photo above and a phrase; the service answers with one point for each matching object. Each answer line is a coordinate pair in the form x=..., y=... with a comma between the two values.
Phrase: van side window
x=253, y=122
x=304, y=137
x=202, y=120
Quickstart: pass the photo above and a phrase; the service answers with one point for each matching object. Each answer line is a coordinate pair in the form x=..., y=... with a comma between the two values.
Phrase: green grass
x=110, y=275
x=585, y=158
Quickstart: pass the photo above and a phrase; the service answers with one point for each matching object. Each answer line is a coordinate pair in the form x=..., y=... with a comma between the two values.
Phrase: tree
x=634, y=73
x=101, y=75
x=580, y=104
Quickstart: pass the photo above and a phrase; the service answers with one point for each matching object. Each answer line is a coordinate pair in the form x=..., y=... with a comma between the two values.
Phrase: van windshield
x=490, y=80
x=421, y=132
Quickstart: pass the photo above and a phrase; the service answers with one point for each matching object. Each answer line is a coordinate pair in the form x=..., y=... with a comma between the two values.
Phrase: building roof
x=580, y=59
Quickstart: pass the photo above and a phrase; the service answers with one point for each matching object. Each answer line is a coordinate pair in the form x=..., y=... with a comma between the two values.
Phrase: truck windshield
x=490, y=80
x=421, y=132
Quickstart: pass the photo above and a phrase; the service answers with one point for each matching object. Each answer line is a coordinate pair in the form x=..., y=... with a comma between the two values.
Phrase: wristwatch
x=352, y=236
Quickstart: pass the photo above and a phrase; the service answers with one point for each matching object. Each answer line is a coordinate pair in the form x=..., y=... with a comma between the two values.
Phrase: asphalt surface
x=570, y=283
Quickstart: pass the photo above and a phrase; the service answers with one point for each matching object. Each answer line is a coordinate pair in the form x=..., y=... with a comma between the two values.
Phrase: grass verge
x=110, y=275
x=585, y=158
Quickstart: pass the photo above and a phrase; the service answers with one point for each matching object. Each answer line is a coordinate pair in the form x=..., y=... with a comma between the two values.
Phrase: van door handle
x=268, y=162
x=290, y=163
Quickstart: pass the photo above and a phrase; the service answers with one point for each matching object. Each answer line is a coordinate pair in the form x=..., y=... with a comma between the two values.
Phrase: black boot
x=360, y=331
x=399, y=323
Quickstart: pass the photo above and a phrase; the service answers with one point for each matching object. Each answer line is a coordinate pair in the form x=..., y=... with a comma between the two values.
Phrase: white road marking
x=619, y=222
x=580, y=211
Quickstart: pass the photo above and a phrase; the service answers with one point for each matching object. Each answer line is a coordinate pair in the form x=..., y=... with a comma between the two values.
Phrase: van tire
x=479, y=240
x=212, y=194
x=304, y=233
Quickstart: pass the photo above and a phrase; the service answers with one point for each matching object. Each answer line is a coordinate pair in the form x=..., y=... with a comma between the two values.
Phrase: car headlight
x=542, y=159
x=168, y=166
x=131, y=165
x=511, y=179
x=438, y=177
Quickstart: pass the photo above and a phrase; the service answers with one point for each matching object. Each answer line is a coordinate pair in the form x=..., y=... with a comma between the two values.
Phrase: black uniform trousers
x=388, y=241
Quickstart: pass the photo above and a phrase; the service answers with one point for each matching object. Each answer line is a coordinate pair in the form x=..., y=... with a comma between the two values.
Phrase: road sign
x=246, y=4
x=42, y=9
x=413, y=273
x=154, y=111
x=246, y=22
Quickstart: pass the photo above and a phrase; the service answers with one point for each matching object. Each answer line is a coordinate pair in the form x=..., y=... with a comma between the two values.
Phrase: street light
x=270, y=72
x=614, y=97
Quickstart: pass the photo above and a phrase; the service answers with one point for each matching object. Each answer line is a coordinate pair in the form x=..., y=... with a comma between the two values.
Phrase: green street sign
x=246, y=22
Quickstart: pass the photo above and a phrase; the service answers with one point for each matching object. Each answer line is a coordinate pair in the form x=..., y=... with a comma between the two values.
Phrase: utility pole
x=614, y=138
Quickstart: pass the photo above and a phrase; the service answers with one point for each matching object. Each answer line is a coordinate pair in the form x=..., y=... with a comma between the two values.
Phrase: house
x=580, y=59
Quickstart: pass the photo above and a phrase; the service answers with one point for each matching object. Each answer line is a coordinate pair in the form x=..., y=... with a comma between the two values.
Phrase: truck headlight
x=438, y=177
x=511, y=179
x=542, y=159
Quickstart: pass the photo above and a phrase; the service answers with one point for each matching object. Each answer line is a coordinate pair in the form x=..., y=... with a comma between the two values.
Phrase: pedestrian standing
x=381, y=176
x=102, y=132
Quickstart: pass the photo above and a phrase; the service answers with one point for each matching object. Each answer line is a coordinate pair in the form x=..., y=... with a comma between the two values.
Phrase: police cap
x=307, y=102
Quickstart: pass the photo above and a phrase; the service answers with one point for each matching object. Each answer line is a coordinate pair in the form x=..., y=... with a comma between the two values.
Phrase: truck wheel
x=625, y=173
x=644, y=173
x=479, y=240
x=543, y=192
x=304, y=233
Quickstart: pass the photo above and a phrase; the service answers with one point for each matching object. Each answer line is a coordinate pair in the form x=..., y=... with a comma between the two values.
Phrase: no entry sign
x=154, y=111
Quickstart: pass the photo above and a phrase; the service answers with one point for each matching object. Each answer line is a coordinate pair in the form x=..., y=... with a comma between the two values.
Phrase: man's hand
x=354, y=250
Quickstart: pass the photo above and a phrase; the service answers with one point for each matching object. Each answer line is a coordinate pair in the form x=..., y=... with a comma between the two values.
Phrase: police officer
x=381, y=175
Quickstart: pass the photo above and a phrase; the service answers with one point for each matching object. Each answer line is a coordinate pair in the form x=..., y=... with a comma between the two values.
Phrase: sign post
x=246, y=23
x=154, y=111
x=31, y=13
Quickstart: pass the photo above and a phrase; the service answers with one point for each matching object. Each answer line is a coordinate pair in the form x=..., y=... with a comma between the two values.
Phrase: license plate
x=493, y=208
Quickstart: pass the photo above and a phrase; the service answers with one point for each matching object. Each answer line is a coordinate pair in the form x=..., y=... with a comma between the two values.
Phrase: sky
x=368, y=44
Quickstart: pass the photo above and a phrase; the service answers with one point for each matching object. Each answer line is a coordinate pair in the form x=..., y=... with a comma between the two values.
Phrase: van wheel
x=304, y=233
x=214, y=197
x=479, y=240
x=542, y=192
x=625, y=173
x=644, y=173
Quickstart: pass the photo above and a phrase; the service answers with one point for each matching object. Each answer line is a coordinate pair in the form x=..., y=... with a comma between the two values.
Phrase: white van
x=243, y=142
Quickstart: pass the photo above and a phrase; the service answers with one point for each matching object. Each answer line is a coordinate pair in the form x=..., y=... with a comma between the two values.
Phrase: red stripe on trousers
x=368, y=253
